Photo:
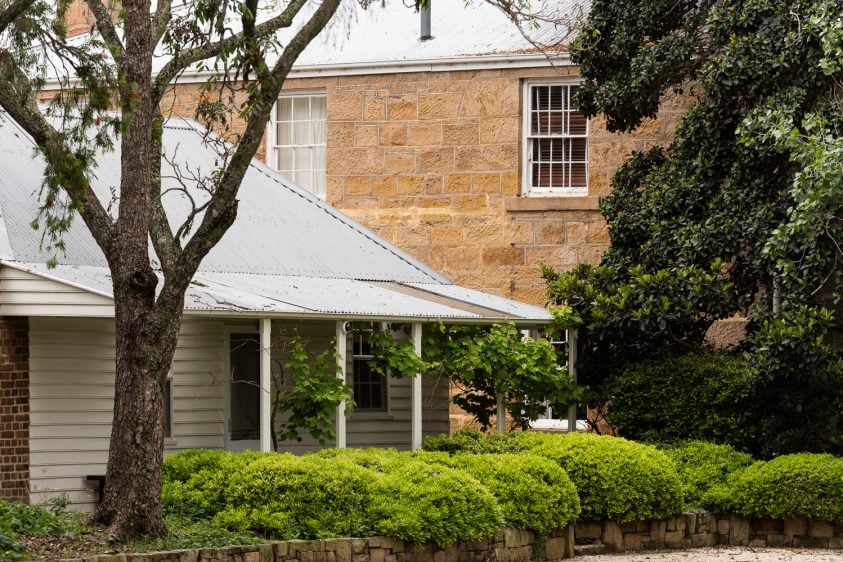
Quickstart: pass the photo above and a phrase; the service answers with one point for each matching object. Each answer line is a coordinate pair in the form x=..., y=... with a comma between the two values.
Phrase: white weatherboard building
x=290, y=264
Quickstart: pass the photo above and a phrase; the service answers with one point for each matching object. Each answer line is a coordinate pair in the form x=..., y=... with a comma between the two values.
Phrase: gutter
x=470, y=63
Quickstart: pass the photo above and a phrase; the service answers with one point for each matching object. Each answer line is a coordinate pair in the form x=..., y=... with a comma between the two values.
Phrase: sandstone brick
x=457, y=183
x=674, y=539
x=355, y=161
x=575, y=233
x=510, y=185
x=340, y=134
x=402, y=107
x=633, y=541
x=487, y=157
x=410, y=185
x=424, y=134
x=357, y=185
x=393, y=134
x=366, y=135
x=739, y=531
x=488, y=182
x=437, y=160
x=384, y=185
x=491, y=98
x=433, y=184
x=500, y=130
x=345, y=105
x=554, y=256
x=550, y=232
x=612, y=536
x=503, y=255
x=447, y=235
x=469, y=202
x=439, y=105
x=820, y=529
x=460, y=134
x=399, y=162
x=374, y=109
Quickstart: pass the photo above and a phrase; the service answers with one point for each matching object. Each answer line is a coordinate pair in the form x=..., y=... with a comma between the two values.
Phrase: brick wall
x=14, y=408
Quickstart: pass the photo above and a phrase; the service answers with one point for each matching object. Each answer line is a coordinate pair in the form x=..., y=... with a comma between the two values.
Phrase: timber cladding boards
x=14, y=408
x=431, y=161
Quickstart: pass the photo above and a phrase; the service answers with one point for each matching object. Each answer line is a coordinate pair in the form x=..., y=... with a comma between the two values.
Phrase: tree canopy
x=739, y=214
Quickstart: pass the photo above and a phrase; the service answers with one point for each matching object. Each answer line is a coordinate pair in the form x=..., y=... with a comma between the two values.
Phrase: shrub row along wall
x=508, y=545
x=693, y=530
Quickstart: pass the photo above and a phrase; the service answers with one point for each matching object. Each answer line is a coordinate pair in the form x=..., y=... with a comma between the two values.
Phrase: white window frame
x=169, y=437
x=526, y=144
x=272, y=145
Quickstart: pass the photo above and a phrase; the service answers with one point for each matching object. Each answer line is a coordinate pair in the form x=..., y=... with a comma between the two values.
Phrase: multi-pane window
x=368, y=385
x=556, y=143
x=299, y=140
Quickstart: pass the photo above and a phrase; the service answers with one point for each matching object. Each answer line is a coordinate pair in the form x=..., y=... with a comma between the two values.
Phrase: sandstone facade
x=431, y=161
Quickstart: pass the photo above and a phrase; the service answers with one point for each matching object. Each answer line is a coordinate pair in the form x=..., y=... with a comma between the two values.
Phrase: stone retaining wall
x=693, y=530
x=509, y=545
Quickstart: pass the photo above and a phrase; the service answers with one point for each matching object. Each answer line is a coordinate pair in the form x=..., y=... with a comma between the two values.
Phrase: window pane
x=578, y=123
x=303, y=158
x=244, y=395
x=285, y=159
x=318, y=107
x=285, y=109
x=301, y=132
x=285, y=133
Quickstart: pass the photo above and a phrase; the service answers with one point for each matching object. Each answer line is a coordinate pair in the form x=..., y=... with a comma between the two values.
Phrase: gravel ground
x=723, y=554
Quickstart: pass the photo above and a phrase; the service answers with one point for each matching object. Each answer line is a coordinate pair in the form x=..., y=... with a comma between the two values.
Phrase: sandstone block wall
x=509, y=545
x=694, y=530
x=14, y=409
x=431, y=161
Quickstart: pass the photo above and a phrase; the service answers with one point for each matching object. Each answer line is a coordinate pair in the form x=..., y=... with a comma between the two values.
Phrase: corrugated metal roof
x=281, y=228
x=289, y=253
x=309, y=296
x=389, y=31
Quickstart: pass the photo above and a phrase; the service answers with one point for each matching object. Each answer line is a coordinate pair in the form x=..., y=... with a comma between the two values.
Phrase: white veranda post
x=341, y=364
x=416, y=413
x=265, y=378
x=572, y=372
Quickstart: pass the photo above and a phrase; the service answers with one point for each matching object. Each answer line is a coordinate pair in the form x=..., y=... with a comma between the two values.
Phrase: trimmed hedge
x=533, y=493
x=702, y=466
x=791, y=486
x=615, y=478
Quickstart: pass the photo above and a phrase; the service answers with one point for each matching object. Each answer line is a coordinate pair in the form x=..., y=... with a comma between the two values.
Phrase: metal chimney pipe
x=425, y=21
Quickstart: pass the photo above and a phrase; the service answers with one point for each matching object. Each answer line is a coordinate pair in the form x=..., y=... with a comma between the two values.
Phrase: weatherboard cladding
x=289, y=253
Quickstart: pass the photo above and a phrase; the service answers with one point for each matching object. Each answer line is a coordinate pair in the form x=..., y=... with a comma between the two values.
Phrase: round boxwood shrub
x=473, y=441
x=533, y=493
x=790, y=486
x=615, y=479
x=702, y=466
x=420, y=499
x=696, y=396
x=288, y=497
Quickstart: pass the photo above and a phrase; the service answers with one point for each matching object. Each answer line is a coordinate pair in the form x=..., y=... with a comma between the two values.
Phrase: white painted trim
x=254, y=315
x=416, y=394
x=19, y=267
x=572, y=372
x=341, y=345
x=525, y=146
x=266, y=383
x=476, y=62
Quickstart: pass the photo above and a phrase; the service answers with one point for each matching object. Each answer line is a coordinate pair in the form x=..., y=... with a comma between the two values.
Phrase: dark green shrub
x=696, y=396
x=800, y=485
x=533, y=493
x=702, y=466
x=615, y=479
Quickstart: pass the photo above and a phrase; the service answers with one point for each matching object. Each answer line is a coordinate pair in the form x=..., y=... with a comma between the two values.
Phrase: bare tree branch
x=16, y=97
x=222, y=210
x=12, y=11
x=105, y=25
x=190, y=56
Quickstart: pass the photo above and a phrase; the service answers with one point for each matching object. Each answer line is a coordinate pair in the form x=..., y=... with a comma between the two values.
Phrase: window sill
x=358, y=415
x=547, y=203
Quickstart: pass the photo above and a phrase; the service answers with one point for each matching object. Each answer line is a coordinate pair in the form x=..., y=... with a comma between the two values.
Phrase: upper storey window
x=556, y=141
x=297, y=139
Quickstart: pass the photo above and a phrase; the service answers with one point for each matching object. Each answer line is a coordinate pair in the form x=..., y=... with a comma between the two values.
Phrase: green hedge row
x=416, y=498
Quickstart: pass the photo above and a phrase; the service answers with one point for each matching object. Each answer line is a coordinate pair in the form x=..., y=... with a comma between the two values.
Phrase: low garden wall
x=689, y=530
x=508, y=545
x=693, y=530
